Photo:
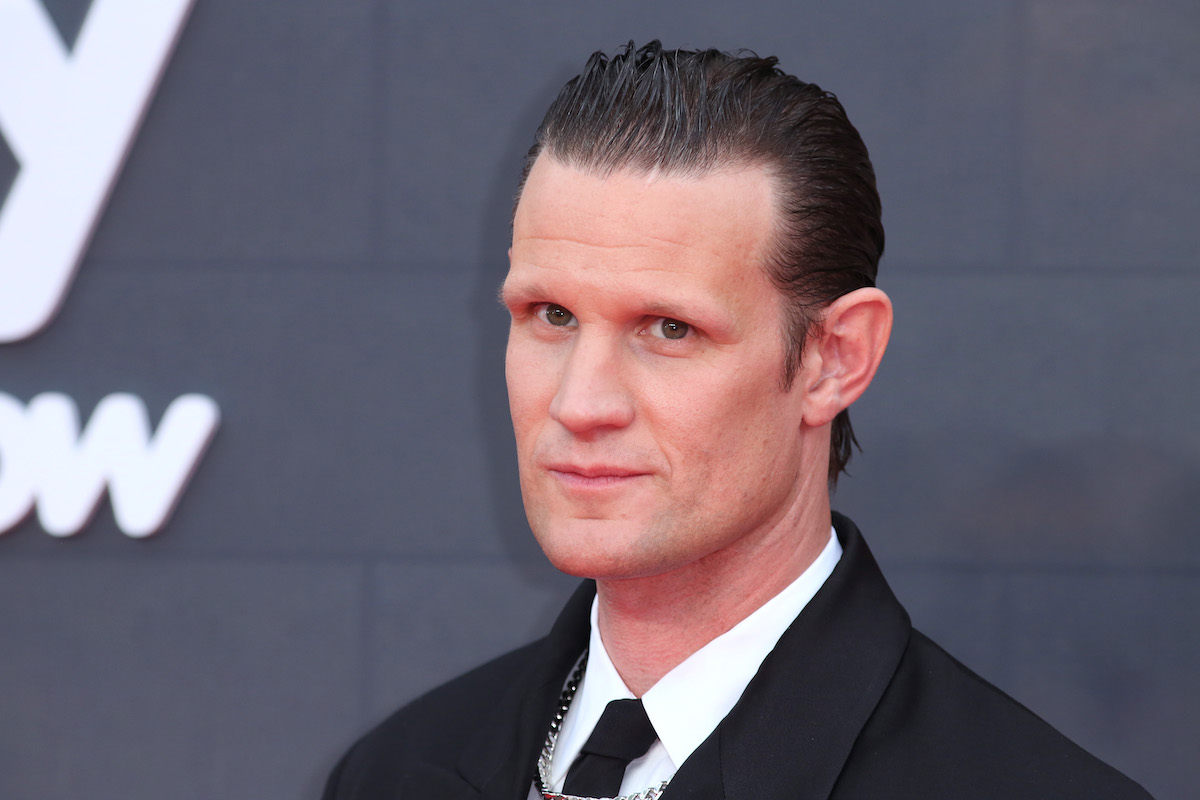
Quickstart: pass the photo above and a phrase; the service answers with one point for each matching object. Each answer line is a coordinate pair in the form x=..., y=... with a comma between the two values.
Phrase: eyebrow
x=508, y=295
x=669, y=310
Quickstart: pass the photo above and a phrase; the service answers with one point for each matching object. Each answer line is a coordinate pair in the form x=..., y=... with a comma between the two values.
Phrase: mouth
x=593, y=476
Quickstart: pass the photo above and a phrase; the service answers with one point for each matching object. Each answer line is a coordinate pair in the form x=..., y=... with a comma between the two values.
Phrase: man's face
x=644, y=369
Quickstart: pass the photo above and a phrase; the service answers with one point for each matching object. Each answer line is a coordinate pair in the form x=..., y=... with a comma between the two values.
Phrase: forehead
x=719, y=224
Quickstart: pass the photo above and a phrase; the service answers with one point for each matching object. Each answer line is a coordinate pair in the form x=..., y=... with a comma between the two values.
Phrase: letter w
x=69, y=118
x=145, y=476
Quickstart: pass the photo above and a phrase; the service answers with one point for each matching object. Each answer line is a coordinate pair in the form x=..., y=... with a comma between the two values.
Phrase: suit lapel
x=788, y=736
x=501, y=759
x=790, y=733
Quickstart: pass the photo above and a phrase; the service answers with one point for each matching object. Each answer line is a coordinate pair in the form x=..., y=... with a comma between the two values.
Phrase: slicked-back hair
x=689, y=113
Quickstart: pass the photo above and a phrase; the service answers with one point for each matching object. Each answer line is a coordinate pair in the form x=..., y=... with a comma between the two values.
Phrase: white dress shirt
x=687, y=703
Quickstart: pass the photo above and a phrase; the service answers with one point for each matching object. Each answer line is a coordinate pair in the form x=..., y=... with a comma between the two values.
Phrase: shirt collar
x=688, y=703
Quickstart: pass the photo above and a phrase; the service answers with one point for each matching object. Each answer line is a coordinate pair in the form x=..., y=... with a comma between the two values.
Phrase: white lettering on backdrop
x=69, y=118
x=46, y=460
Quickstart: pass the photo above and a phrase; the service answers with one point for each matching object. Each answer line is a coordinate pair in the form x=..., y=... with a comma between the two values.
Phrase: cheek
x=740, y=425
x=530, y=389
x=721, y=405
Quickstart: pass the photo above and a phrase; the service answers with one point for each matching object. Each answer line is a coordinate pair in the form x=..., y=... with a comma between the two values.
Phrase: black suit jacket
x=852, y=703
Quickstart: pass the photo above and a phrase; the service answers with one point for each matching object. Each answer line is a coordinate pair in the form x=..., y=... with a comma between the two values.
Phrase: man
x=691, y=286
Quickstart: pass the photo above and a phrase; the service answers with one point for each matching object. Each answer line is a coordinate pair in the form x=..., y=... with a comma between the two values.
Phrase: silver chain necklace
x=547, y=754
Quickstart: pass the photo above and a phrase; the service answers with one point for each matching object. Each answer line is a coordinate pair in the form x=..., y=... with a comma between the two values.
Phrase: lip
x=593, y=476
x=595, y=470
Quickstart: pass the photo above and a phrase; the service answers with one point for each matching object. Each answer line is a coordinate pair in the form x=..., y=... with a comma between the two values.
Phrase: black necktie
x=623, y=733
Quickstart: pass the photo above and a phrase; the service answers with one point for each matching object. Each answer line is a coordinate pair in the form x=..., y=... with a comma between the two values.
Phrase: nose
x=591, y=392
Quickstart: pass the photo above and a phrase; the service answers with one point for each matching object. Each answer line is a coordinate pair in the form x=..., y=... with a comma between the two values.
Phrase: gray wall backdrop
x=310, y=228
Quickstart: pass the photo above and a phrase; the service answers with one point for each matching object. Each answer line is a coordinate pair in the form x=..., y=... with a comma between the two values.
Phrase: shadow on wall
x=1119, y=503
x=491, y=391
x=1083, y=501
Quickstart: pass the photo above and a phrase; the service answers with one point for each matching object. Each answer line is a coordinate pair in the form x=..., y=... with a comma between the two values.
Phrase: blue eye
x=667, y=328
x=556, y=315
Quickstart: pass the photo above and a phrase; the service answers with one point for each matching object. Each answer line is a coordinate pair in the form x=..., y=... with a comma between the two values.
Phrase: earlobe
x=845, y=352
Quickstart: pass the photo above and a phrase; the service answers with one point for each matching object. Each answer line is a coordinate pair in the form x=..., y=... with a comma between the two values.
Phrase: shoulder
x=433, y=729
x=942, y=731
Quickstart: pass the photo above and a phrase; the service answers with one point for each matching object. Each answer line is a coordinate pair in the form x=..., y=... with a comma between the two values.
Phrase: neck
x=652, y=624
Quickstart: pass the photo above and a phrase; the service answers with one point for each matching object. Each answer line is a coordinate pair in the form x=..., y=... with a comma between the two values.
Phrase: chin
x=581, y=559
x=601, y=551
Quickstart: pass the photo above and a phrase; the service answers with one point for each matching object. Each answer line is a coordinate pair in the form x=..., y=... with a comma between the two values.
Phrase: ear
x=843, y=353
